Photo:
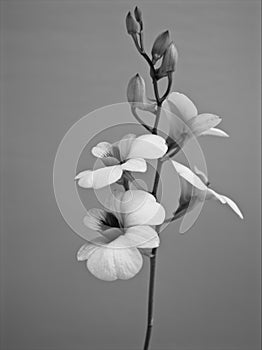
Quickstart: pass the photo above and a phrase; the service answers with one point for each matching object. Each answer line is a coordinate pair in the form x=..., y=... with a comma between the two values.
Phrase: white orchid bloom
x=194, y=189
x=124, y=230
x=128, y=154
x=184, y=120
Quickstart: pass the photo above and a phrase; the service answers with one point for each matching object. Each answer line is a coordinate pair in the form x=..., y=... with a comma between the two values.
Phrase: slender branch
x=134, y=37
x=156, y=91
x=141, y=37
x=158, y=112
x=150, y=319
x=157, y=177
x=131, y=178
x=125, y=183
x=169, y=85
x=148, y=128
x=151, y=288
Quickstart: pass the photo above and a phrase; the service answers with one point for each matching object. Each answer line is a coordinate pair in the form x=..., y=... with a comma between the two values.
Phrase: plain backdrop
x=62, y=60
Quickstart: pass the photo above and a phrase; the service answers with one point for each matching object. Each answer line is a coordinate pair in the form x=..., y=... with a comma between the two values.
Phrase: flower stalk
x=130, y=227
x=160, y=46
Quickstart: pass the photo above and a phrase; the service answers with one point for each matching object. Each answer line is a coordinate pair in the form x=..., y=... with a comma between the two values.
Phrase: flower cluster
x=129, y=225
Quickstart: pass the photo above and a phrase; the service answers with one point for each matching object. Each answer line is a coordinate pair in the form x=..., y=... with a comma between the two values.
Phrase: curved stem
x=169, y=85
x=148, y=128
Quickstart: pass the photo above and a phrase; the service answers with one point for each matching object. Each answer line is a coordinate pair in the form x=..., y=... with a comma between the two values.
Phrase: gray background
x=63, y=59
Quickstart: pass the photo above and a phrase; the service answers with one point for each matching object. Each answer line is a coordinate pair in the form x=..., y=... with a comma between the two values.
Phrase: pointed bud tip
x=131, y=24
x=136, y=89
x=160, y=45
x=138, y=14
x=169, y=61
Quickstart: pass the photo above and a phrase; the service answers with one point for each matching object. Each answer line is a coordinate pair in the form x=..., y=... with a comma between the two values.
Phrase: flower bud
x=169, y=61
x=136, y=94
x=136, y=90
x=160, y=45
x=138, y=15
x=131, y=24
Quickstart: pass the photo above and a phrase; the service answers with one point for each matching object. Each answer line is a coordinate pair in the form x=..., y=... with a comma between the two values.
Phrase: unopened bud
x=131, y=24
x=136, y=90
x=160, y=45
x=169, y=61
x=136, y=94
x=138, y=16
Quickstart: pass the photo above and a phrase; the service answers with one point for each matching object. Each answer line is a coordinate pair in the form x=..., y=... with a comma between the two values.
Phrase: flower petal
x=224, y=200
x=142, y=237
x=214, y=132
x=178, y=129
x=201, y=175
x=186, y=192
x=182, y=106
x=100, y=220
x=99, y=178
x=148, y=147
x=115, y=261
x=95, y=218
x=140, y=208
x=102, y=149
x=109, y=161
x=211, y=194
x=203, y=122
x=135, y=164
x=189, y=176
x=88, y=248
x=112, y=233
x=124, y=145
x=233, y=206
x=114, y=200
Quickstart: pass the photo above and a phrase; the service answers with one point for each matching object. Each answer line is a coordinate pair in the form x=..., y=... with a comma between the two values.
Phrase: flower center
x=111, y=220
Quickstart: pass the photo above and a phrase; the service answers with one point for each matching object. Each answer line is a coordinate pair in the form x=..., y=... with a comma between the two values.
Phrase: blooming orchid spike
x=194, y=190
x=128, y=154
x=185, y=122
x=123, y=231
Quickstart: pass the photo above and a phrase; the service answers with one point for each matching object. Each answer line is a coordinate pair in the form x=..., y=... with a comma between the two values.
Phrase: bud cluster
x=164, y=48
x=133, y=24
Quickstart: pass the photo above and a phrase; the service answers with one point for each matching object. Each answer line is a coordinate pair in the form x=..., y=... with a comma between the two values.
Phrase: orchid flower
x=128, y=154
x=184, y=120
x=123, y=230
x=194, y=189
